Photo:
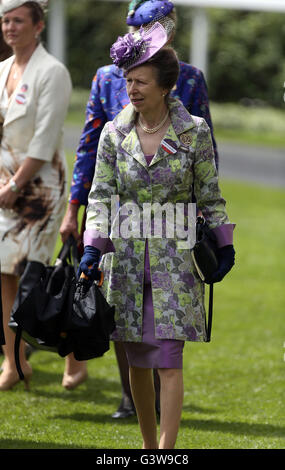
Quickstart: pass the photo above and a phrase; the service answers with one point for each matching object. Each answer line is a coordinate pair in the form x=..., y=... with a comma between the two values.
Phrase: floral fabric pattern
x=121, y=169
x=108, y=96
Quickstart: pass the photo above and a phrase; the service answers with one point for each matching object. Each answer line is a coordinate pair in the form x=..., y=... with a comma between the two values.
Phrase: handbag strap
x=17, y=352
x=210, y=314
x=70, y=248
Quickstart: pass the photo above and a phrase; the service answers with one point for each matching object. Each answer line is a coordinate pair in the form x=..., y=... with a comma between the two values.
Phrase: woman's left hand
x=89, y=263
x=226, y=260
x=7, y=197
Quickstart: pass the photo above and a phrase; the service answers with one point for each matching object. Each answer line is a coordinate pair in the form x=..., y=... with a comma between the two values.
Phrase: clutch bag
x=204, y=252
x=204, y=255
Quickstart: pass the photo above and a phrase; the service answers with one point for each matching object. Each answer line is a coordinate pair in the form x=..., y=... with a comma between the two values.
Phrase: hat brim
x=156, y=38
x=9, y=5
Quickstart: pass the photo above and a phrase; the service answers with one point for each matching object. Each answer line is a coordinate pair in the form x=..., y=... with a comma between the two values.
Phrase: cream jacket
x=34, y=121
x=32, y=126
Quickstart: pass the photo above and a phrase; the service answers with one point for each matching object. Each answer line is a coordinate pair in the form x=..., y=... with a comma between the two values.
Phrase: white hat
x=7, y=5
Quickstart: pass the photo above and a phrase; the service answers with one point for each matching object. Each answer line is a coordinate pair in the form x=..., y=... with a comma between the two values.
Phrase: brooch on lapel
x=21, y=97
x=186, y=139
x=169, y=146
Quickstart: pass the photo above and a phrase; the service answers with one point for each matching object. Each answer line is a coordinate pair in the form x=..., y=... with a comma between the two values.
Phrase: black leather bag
x=204, y=255
x=88, y=325
x=44, y=315
x=39, y=309
x=204, y=252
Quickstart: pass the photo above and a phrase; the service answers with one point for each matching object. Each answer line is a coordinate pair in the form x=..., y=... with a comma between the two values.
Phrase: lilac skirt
x=151, y=352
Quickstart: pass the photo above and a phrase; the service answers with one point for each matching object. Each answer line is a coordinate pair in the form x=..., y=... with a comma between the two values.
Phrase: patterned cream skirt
x=29, y=231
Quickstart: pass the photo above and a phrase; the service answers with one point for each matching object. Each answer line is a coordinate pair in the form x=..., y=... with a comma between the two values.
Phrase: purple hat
x=134, y=49
x=144, y=11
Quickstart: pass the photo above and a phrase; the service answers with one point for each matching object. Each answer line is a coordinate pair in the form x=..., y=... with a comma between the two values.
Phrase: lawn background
x=234, y=386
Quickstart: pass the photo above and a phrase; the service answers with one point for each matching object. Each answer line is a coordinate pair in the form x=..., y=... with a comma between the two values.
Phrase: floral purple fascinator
x=126, y=48
x=136, y=48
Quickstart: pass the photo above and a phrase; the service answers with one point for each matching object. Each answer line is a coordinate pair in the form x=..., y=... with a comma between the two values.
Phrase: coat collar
x=119, y=93
x=18, y=104
x=181, y=122
x=117, y=72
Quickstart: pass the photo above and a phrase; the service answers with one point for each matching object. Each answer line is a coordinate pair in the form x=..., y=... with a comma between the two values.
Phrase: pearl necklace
x=154, y=129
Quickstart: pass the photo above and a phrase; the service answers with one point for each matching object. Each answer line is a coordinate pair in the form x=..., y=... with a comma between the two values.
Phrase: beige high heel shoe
x=9, y=378
x=71, y=381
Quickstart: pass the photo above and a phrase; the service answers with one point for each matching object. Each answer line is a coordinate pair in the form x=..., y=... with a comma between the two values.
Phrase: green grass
x=247, y=137
x=76, y=111
x=262, y=126
x=234, y=386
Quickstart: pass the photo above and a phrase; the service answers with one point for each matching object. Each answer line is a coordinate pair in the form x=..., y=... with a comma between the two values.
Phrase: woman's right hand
x=89, y=264
x=7, y=197
x=69, y=224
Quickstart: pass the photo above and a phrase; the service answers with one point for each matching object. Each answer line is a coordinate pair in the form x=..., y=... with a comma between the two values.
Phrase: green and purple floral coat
x=184, y=162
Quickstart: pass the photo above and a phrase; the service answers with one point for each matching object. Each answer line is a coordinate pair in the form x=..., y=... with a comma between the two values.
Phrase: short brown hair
x=165, y=61
x=36, y=11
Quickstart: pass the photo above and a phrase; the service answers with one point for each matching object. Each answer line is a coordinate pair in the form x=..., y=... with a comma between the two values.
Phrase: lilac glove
x=89, y=263
x=226, y=260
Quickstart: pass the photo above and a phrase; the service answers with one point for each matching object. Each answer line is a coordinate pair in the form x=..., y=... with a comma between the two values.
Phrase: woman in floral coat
x=108, y=96
x=151, y=156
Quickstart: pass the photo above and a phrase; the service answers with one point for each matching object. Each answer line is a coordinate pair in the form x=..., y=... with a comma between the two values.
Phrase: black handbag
x=39, y=308
x=43, y=313
x=88, y=326
x=204, y=255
